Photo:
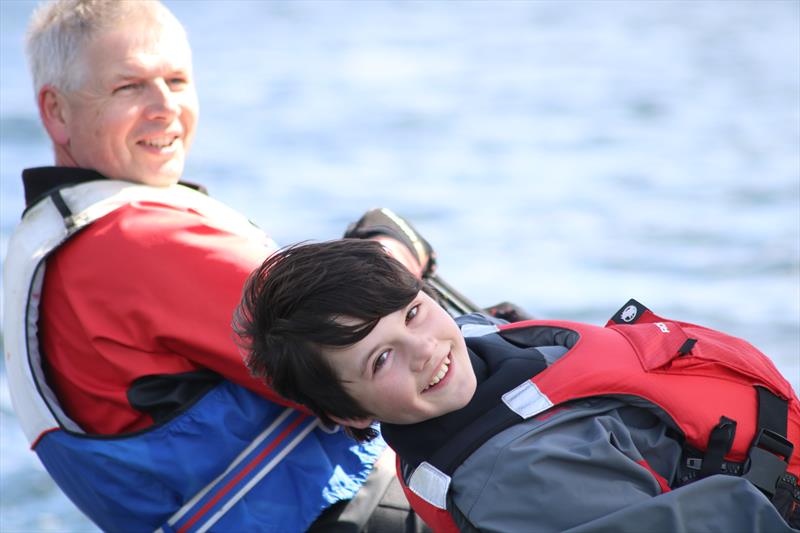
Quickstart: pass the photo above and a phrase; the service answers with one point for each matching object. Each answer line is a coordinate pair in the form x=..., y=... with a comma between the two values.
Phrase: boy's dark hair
x=289, y=311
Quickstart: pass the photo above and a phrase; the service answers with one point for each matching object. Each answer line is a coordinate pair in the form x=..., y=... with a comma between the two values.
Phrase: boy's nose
x=422, y=353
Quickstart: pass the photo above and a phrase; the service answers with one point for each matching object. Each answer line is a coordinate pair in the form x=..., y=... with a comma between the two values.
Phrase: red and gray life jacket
x=733, y=411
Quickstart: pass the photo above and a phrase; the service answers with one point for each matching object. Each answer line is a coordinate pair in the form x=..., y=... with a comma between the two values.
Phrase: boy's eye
x=380, y=361
x=412, y=313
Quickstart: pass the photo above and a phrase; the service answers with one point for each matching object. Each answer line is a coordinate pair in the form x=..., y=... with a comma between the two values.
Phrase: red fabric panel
x=147, y=289
x=659, y=478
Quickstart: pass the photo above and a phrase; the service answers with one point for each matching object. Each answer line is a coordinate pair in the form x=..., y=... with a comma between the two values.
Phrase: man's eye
x=178, y=82
x=412, y=313
x=128, y=87
x=380, y=361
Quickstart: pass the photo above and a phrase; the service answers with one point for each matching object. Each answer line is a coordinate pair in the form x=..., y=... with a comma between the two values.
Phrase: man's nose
x=163, y=102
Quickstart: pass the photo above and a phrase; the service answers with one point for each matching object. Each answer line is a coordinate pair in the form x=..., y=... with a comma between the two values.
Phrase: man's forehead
x=128, y=49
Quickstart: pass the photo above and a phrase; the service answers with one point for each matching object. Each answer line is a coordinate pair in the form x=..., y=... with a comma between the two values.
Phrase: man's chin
x=163, y=176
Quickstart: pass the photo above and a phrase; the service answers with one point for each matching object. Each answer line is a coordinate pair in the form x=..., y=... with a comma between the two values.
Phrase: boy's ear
x=362, y=422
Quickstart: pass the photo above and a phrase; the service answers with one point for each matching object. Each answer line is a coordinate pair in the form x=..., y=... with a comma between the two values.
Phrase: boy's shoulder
x=479, y=319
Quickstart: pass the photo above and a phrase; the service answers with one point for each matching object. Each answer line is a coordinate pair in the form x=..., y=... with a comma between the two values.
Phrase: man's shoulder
x=142, y=223
x=149, y=235
x=131, y=234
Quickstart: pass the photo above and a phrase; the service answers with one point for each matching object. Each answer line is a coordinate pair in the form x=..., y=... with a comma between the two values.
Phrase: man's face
x=134, y=116
x=412, y=366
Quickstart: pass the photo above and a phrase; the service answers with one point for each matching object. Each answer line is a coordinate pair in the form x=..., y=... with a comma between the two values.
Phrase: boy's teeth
x=441, y=374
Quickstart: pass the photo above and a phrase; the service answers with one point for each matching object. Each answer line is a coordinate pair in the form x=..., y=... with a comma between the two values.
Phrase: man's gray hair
x=58, y=32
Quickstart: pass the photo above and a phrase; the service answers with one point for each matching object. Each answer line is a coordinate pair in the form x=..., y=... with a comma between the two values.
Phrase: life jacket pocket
x=680, y=347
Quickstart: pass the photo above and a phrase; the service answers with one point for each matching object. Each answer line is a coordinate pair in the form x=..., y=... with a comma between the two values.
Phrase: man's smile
x=160, y=142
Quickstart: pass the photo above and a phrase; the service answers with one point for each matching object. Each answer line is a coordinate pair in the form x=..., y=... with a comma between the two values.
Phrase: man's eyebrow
x=135, y=69
x=127, y=75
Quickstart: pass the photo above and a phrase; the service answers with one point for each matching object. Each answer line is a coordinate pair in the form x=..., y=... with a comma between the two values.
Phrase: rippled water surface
x=563, y=155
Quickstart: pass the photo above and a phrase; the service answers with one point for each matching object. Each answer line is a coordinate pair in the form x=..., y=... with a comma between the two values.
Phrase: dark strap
x=687, y=346
x=770, y=451
x=63, y=209
x=767, y=460
x=719, y=444
x=773, y=412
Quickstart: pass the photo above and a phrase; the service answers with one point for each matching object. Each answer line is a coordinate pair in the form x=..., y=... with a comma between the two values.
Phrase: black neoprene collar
x=41, y=181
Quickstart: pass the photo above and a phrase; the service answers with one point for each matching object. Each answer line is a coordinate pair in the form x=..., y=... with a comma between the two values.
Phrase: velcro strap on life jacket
x=431, y=484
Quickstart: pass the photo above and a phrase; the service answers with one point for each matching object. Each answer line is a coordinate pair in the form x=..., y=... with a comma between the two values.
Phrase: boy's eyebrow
x=365, y=362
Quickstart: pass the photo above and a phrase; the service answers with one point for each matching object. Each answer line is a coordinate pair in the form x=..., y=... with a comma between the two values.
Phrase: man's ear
x=362, y=422
x=54, y=111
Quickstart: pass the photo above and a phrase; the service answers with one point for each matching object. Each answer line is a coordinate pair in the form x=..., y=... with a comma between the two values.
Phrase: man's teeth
x=440, y=374
x=160, y=142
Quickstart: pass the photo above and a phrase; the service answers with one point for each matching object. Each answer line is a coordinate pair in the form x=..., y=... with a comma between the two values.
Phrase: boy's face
x=412, y=366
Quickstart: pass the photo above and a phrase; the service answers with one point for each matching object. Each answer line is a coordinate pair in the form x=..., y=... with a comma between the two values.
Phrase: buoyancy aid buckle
x=767, y=460
x=727, y=467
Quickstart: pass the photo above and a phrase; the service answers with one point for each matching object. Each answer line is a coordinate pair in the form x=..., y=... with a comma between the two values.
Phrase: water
x=562, y=155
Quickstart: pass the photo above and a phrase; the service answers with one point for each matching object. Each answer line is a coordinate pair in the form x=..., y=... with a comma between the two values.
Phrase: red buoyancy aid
x=697, y=376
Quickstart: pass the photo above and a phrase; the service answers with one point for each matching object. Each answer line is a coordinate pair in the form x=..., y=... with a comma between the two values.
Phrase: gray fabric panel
x=577, y=468
x=724, y=504
x=552, y=353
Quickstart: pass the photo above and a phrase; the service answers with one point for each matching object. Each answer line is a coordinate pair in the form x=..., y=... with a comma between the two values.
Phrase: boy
x=591, y=442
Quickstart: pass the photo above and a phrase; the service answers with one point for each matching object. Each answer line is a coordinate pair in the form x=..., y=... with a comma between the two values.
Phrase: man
x=120, y=288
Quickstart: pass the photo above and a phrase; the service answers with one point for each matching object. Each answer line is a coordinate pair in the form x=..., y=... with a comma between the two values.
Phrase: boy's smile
x=413, y=366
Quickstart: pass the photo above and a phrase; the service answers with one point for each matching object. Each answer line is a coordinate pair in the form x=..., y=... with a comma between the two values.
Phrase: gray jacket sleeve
x=581, y=469
x=718, y=503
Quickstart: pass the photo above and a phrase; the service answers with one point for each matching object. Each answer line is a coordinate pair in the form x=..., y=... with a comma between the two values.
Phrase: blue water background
x=563, y=155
